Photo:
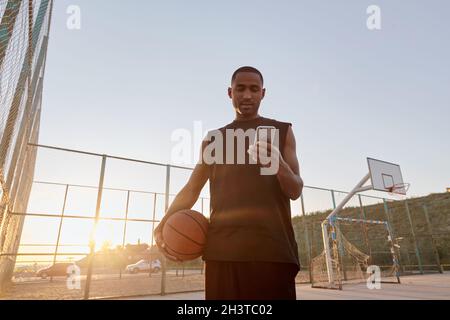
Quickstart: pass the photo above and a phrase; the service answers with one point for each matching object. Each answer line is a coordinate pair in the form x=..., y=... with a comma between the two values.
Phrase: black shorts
x=226, y=280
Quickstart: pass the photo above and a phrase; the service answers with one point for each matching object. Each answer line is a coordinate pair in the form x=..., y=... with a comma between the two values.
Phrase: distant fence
x=63, y=220
x=420, y=226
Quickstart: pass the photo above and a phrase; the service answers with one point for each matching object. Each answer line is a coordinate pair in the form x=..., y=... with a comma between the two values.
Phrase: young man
x=251, y=252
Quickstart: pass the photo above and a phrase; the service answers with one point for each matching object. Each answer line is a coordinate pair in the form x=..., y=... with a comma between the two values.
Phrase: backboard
x=384, y=175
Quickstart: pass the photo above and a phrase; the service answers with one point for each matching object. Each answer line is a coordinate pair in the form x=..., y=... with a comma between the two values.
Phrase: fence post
x=333, y=199
x=305, y=230
x=364, y=226
x=153, y=230
x=166, y=206
x=124, y=231
x=393, y=234
x=313, y=237
x=60, y=226
x=416, y=247
x=92, y=240
x=338, y=236
x=430, y=230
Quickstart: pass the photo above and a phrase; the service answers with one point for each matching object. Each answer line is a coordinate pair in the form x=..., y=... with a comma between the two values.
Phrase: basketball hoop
x=398, y=189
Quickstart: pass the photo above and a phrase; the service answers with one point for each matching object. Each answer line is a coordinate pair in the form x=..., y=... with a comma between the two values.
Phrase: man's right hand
x=185, y=199
x=161, y=244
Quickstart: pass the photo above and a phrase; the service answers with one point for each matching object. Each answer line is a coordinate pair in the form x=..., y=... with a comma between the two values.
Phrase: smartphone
x=265, y=134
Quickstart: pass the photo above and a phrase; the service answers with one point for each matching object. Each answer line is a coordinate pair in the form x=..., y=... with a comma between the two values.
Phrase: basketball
x=184, y=234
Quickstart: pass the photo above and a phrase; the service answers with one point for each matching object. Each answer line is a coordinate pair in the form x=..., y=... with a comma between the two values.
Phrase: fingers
x=264, y=149
x=267, y=146
x=258, y=154
x=159, y=241
x=170, y=257
x=162, y=247
x=264, y=154
x=167, y=254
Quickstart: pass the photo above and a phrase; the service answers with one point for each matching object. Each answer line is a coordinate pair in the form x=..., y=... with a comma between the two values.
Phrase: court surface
x=417, y=287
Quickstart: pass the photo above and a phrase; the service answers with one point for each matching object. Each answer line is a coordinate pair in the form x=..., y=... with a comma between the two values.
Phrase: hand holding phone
x=264, y=150
x=265, y=134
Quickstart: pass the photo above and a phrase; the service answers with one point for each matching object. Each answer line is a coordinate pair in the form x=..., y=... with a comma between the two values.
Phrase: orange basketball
x=184, y=234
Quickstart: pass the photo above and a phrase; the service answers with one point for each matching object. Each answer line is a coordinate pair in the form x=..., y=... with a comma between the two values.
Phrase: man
x=250, y=251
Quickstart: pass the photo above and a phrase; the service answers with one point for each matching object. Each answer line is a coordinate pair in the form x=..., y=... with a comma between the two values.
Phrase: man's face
x=246, y=92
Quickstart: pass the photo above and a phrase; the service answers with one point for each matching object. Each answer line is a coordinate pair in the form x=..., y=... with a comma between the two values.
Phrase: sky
x=136, y=71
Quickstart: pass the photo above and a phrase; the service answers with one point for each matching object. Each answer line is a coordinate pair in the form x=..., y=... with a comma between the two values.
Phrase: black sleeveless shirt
x=250, y=216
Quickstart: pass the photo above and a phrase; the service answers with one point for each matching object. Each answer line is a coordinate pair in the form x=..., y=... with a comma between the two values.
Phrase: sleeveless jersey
x=250, y=216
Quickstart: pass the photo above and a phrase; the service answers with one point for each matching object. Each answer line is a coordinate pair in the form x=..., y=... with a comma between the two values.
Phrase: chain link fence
x=102, y=223
x=24, y=29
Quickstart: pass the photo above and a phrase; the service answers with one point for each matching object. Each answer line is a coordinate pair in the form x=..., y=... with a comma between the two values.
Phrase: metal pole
x=326, y=247
x=364, y=226
x=430, y=231
x=124, y=231
x=333, y=199
x=339, y=238
x=60, y=226
x=153, y=229
x=305, y=230
x=391, y=229
x=394, y=256
x=416, y=246
x=92, y=240
x=313, y=237
x=358, y=188
x=166, y=206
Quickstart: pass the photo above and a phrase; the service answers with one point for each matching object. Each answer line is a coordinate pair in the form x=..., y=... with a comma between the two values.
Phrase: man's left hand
x=265, y=154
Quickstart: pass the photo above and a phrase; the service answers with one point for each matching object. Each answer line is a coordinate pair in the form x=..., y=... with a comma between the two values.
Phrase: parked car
x=24, y=271
x=144, y=266
x=56, y=270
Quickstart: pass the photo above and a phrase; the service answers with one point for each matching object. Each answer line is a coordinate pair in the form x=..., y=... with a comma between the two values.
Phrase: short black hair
x=247, y=69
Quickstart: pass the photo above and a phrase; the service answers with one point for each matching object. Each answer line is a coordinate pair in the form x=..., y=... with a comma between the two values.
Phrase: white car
x=144, y=266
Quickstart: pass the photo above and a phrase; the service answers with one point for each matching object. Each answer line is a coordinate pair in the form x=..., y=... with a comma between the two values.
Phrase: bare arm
x=185, y=199
x=289, y=172
x=188, y=196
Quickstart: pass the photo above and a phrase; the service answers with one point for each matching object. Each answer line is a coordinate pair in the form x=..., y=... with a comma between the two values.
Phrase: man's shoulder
x=263, y=120
x=278, y=122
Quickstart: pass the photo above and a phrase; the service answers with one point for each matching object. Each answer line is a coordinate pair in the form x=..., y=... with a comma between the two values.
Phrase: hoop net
x=350, y=265
x=398, y=190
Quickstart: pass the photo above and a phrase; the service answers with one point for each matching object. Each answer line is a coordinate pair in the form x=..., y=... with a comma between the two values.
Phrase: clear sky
x=138, y=70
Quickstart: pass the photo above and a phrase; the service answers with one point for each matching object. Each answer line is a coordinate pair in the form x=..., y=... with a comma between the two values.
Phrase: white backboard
x=385, y=175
